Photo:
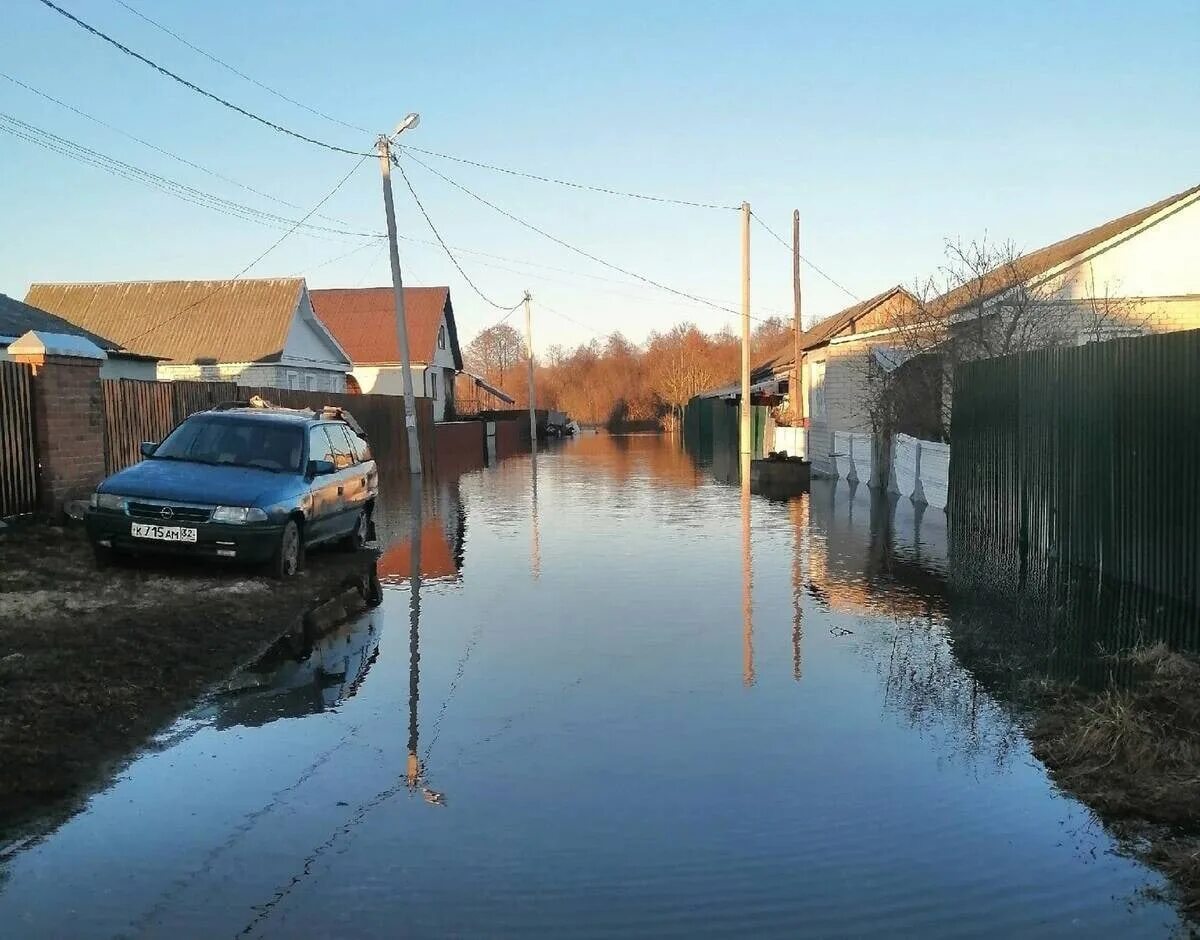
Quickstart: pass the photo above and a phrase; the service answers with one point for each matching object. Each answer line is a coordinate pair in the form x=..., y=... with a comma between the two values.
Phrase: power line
x=279, y=241
x=788, y=246
x=558, y=313
x=570, y=247
x=167, y=153
x=69, y=148
x=449, y=254
x=561, y=182
x=221, y=62
x=196, y=88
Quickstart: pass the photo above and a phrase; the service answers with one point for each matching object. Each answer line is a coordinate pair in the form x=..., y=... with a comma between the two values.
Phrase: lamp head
x=412, y=120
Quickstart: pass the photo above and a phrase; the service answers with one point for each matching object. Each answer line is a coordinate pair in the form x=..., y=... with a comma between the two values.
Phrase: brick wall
x=69, y=425
x=255, y=374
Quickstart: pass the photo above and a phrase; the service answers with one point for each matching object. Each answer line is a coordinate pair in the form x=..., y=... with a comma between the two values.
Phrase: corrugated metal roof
x=363, y=320
x=18, y=318
x=186, y=321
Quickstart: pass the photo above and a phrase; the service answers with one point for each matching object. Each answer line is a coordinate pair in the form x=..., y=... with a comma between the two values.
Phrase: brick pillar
x=69, y=426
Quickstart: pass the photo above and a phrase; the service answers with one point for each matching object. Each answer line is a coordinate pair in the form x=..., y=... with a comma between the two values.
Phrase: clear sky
x=890, y=126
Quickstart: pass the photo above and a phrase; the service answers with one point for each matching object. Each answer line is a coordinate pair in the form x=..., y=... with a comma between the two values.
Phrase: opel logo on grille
x=166, y=512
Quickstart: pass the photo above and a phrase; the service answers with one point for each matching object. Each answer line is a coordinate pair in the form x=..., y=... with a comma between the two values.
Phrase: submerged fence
x=1081, y=461
x=18, y=456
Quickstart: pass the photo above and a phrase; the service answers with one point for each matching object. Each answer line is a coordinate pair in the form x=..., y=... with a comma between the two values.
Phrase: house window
x=433, y=385
x=442, y=337
x=293, y=380
x=310, y=382
x=816, y=389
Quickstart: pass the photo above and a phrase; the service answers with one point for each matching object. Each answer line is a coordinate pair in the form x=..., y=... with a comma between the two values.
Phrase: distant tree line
x=616, y=382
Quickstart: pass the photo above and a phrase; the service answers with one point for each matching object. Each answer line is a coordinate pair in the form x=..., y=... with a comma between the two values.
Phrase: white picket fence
x=919, y=470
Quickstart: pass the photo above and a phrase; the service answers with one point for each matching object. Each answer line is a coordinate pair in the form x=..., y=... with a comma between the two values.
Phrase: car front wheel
x=288, y=553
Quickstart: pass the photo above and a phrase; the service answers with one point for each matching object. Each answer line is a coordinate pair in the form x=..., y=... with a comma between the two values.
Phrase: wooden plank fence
x=18, y=454
x=136, y=411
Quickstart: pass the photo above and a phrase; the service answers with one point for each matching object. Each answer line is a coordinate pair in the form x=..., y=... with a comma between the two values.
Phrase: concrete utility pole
x=744, y=431
x=796, y=383
x=529, y=349
x=410, y=405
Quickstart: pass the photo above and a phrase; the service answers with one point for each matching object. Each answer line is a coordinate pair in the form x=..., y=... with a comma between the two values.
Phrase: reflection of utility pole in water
x=747, y=578
x=799, y=527
x=414, y=635
x=535, y=559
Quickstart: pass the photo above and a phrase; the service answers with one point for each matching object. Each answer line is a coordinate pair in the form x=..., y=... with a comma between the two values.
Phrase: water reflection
x=584, y=673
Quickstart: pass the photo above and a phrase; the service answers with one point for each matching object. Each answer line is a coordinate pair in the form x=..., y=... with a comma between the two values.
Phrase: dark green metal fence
x=1080, y=462
x=710, y=430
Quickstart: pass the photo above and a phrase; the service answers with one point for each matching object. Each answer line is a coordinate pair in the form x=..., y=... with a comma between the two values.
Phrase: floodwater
x=618, y=697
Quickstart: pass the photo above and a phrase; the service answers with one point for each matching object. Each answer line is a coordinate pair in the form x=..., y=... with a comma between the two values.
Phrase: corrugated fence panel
x=18, y=455
x=1076, y=460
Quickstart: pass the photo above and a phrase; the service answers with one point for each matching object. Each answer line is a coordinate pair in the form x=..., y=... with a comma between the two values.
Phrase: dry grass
x=1132, y=752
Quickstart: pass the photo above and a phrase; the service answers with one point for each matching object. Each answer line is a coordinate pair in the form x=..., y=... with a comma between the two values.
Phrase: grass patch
x=1132, y=752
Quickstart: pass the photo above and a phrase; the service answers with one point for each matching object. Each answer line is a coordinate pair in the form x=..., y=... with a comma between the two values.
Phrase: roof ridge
x=171, y=280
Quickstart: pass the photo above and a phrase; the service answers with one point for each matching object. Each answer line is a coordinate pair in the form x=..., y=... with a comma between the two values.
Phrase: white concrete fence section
x=918, y=470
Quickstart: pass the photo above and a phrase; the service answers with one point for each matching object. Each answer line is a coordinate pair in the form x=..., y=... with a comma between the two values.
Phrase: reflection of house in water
x=442, y=537
x=869, y=552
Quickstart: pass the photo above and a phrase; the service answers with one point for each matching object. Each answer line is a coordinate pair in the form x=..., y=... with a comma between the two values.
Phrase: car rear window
x=223, y=440
x=343, y=453
x=362, y=450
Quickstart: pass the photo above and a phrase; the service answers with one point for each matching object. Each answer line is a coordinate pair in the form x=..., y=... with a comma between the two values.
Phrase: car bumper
x=250, y=543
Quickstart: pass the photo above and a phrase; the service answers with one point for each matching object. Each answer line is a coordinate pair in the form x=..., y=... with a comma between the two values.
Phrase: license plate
x=163, y=533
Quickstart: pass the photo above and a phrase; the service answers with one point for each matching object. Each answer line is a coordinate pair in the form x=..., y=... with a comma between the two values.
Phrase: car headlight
x=238, y=515
x=108, y=501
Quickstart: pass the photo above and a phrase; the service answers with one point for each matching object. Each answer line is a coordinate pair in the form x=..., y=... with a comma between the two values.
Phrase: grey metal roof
x=17, y=319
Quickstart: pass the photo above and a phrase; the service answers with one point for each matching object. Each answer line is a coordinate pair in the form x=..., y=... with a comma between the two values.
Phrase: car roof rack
x=327, y=412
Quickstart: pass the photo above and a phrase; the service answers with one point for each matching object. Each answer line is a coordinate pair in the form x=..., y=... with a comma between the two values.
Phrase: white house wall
x=1160, y=261
x=268, y=375
x=129, y=369
x=308, y=344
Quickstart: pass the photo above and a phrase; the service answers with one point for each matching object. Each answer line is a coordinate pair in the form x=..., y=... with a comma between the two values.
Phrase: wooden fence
x=18, y=456
x=136, y=411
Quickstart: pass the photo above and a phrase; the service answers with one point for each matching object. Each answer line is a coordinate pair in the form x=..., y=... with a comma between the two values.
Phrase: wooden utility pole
x=798, y=406
x=744, y=433
x=410, y=405
x=532, y=399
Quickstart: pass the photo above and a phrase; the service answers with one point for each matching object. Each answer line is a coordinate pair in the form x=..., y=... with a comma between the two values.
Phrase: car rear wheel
x=358, y=535
x=289, y=552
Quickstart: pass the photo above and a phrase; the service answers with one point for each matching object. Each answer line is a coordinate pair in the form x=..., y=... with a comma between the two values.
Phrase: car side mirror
x=148, y=448
x=320, y=468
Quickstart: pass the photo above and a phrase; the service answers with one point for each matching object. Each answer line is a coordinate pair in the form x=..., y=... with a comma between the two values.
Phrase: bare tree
x=495, y=352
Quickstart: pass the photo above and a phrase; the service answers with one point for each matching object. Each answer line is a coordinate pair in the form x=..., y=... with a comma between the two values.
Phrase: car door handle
x=339, y=491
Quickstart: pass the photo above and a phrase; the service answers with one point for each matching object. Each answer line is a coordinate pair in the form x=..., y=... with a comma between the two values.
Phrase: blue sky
x=890, y=126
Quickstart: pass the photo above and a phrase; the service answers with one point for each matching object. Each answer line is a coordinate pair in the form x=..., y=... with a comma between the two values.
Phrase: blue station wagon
x=253, y=484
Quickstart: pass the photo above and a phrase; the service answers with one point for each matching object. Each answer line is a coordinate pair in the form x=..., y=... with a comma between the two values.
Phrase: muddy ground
x=94, y=662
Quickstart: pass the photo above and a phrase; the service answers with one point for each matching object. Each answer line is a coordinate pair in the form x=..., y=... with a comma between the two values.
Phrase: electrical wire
x=279, y=241
x=441, y=241
x=166, y=153
x=225, y=65
x=771, y=232
x=76, y=151
x=542, y=305
x=561, y=182
x=196, y=88
x=579, y=251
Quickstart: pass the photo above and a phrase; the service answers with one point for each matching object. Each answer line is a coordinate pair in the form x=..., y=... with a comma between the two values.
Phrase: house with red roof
x=363, y=320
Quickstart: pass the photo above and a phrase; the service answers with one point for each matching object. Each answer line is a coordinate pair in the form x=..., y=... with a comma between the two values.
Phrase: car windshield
x=225, y=440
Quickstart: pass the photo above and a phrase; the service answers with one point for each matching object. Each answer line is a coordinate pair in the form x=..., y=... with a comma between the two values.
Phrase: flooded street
x=602, y=707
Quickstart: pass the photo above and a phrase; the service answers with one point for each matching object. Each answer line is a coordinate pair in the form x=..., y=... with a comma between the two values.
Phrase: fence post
x=68, y=418
x=918, y=493
x=852, y=472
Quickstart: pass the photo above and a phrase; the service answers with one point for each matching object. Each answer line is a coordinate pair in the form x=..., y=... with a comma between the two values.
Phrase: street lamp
x=410, y=405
